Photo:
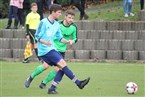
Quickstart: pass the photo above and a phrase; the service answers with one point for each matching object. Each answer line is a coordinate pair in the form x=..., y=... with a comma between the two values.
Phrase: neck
x=66, y=23
x=51, y=18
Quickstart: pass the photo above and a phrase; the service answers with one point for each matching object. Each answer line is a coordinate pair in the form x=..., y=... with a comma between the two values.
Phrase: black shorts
x=32, y=36
x=52, y=57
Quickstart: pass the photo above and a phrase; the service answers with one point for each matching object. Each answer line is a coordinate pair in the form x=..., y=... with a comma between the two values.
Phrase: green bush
x=4, y=5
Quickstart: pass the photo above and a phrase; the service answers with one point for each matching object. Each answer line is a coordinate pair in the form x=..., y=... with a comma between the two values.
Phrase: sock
x=36, y=52
x=38, y=70
x=57, y=79
x=50, y=77
x=70, y=74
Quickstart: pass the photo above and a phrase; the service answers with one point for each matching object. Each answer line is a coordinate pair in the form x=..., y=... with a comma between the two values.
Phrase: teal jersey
x=68, y=32
x=47, y=31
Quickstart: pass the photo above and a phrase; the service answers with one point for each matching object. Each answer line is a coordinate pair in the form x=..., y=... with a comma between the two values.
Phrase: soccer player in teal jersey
x=47, y=30
x=69, y=30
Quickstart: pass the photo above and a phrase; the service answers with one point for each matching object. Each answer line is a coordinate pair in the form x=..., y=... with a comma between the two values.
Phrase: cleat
x=84, y=83
x=28, y=82
x=42, y=86
x=26, y=61
x=52, y=92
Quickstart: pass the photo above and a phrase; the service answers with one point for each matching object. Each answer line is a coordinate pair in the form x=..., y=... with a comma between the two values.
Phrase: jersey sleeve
x=28, y=19
x=40, y=31
x=74, y=35
x=59, y=34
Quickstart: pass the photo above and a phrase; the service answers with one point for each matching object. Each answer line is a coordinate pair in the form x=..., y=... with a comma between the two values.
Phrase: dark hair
x=54, y=7
x=69, y=12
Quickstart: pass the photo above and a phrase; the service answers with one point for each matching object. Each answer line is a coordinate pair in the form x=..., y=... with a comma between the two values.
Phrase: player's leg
x=64, y=69
x=51, y=75
x=37, y=71
x=49, y=78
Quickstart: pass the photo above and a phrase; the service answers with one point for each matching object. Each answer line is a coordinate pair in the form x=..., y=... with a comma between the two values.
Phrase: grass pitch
x=107, y=80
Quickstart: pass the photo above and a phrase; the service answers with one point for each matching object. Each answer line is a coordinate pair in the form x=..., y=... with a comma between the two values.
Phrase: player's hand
x=28, y=37
x=71, y=42
x=48, y=43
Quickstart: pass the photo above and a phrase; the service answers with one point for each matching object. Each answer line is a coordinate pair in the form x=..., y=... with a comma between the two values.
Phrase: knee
x=45, y=65
x=56, y=69
x=61, y=63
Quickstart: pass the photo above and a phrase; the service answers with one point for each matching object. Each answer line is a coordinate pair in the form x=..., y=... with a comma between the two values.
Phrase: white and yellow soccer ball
x=131, y=88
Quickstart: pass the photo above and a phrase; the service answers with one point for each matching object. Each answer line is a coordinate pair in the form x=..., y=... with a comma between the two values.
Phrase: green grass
x=107, y=80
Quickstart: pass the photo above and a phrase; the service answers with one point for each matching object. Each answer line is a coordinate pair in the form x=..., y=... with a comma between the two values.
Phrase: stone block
x=127, y=44
x=79, y=45
x=131, y=35
x=98, y=54
x=119, y=35
x=141, y=34
x=82, y=34
x=112, y=25
x=139, y=45
x=106, y=34
x=82, y=54
x=8, y=33
x=141, y=55
x=5, y=53
x=101, y=44
x=89, y=44
x=114, y=54
x=114, y=44
x=130, y=55
x=4, y=43
x=93, y=34
x=88, y=25
x=16, y=43
x=69, y=54
x=125, y=25
x=78, y=24
x=19, y=33
x=18, y=53
x=100, y=25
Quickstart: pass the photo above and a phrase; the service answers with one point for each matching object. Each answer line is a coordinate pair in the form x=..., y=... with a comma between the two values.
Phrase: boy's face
x=56, y=14
x=34, y=9
x=69, y=18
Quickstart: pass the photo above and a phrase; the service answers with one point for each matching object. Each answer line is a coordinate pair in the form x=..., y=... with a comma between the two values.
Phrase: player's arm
x=60, y=37
x=64, y=40
x=74, y=35
x=27, y=27
x=39, y=33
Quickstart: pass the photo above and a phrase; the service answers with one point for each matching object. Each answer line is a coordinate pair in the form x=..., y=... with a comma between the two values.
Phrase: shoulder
x=73, y=25
x=56, y=23
x=38, y=14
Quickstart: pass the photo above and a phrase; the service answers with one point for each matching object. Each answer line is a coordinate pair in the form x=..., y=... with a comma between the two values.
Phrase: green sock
x=50, y=77
x=38, y=70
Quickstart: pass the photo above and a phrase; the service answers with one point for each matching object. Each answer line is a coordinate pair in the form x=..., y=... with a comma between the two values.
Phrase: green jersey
x=68, y=32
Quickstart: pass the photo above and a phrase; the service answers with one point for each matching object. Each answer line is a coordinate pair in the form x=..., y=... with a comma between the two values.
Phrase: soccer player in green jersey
x=69, y=30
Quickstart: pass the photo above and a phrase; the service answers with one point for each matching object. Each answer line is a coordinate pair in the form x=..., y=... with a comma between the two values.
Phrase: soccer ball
x=131, y=87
